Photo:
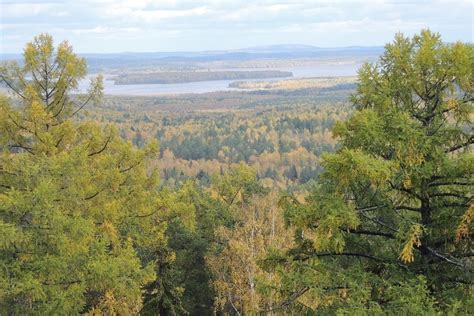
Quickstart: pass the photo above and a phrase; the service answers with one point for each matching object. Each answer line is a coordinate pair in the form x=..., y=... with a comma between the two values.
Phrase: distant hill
x=299, y=48
x=281, y=52
x=289, y=50
x=98, y=61
x=276, y=51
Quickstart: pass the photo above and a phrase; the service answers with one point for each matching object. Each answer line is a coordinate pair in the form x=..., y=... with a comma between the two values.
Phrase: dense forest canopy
x=297, y=199
x=274, y=132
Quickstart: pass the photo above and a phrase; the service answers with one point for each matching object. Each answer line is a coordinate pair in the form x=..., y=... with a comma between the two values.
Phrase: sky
x=106, y=26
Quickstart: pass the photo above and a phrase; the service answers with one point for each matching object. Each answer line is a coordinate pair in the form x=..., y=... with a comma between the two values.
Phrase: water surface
x=322, y=70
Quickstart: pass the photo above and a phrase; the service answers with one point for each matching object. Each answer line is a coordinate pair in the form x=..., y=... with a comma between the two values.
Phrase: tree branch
x=129, y=168
x=10, y=85
x=444, y=257
x=408, y=208
x=448, y=194
x=470, y=141
x=102, y=149
x=436, y=184
x=369, y=232
x=336, y=254
x=90, y=197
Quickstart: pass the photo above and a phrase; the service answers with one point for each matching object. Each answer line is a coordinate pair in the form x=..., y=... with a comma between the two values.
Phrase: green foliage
x=79, y=210
x=55, y=75
x=86, y=227
x=389, y=228
x=281, y=136
x=237, y=185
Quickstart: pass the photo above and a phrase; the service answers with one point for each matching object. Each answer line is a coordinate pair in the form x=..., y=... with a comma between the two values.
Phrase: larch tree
x=80, y=221
x=389, y=227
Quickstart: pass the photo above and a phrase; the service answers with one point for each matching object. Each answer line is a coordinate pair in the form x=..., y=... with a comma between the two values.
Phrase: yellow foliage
x=291, y=84
x=463, y=229
x=109, y=230
x=413, y=240
x=110, y=305
x=452, y=103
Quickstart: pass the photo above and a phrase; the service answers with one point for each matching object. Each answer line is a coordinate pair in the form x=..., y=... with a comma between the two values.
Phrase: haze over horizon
x=106, y=26
x=276, y=48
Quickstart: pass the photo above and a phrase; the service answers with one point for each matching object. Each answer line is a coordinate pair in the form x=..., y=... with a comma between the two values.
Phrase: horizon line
x=243, y=49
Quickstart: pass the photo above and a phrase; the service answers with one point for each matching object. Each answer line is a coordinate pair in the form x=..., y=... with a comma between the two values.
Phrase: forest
x=321, y=196
x=281, y=137
x=294, y=84
x=167, y=77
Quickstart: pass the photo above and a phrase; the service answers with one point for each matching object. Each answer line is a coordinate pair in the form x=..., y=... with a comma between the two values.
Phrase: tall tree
x=48, y=76
x=79, y=214
x=390, y=226
x=241, y=285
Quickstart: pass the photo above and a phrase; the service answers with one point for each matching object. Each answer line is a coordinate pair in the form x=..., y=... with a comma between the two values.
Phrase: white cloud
x=61, y=14
x=106, y=30
x=202, y=24
x=20, y=10
x=155, y=15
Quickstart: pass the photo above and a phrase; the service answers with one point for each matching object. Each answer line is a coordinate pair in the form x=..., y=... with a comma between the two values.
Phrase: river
x=322, y=70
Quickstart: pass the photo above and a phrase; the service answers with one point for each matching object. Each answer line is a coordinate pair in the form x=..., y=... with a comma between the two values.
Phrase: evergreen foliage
x=388, y=229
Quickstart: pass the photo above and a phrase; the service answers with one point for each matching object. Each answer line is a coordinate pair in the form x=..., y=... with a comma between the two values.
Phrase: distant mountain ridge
x=294, y=49
x=291, y=49
x=97, y=62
